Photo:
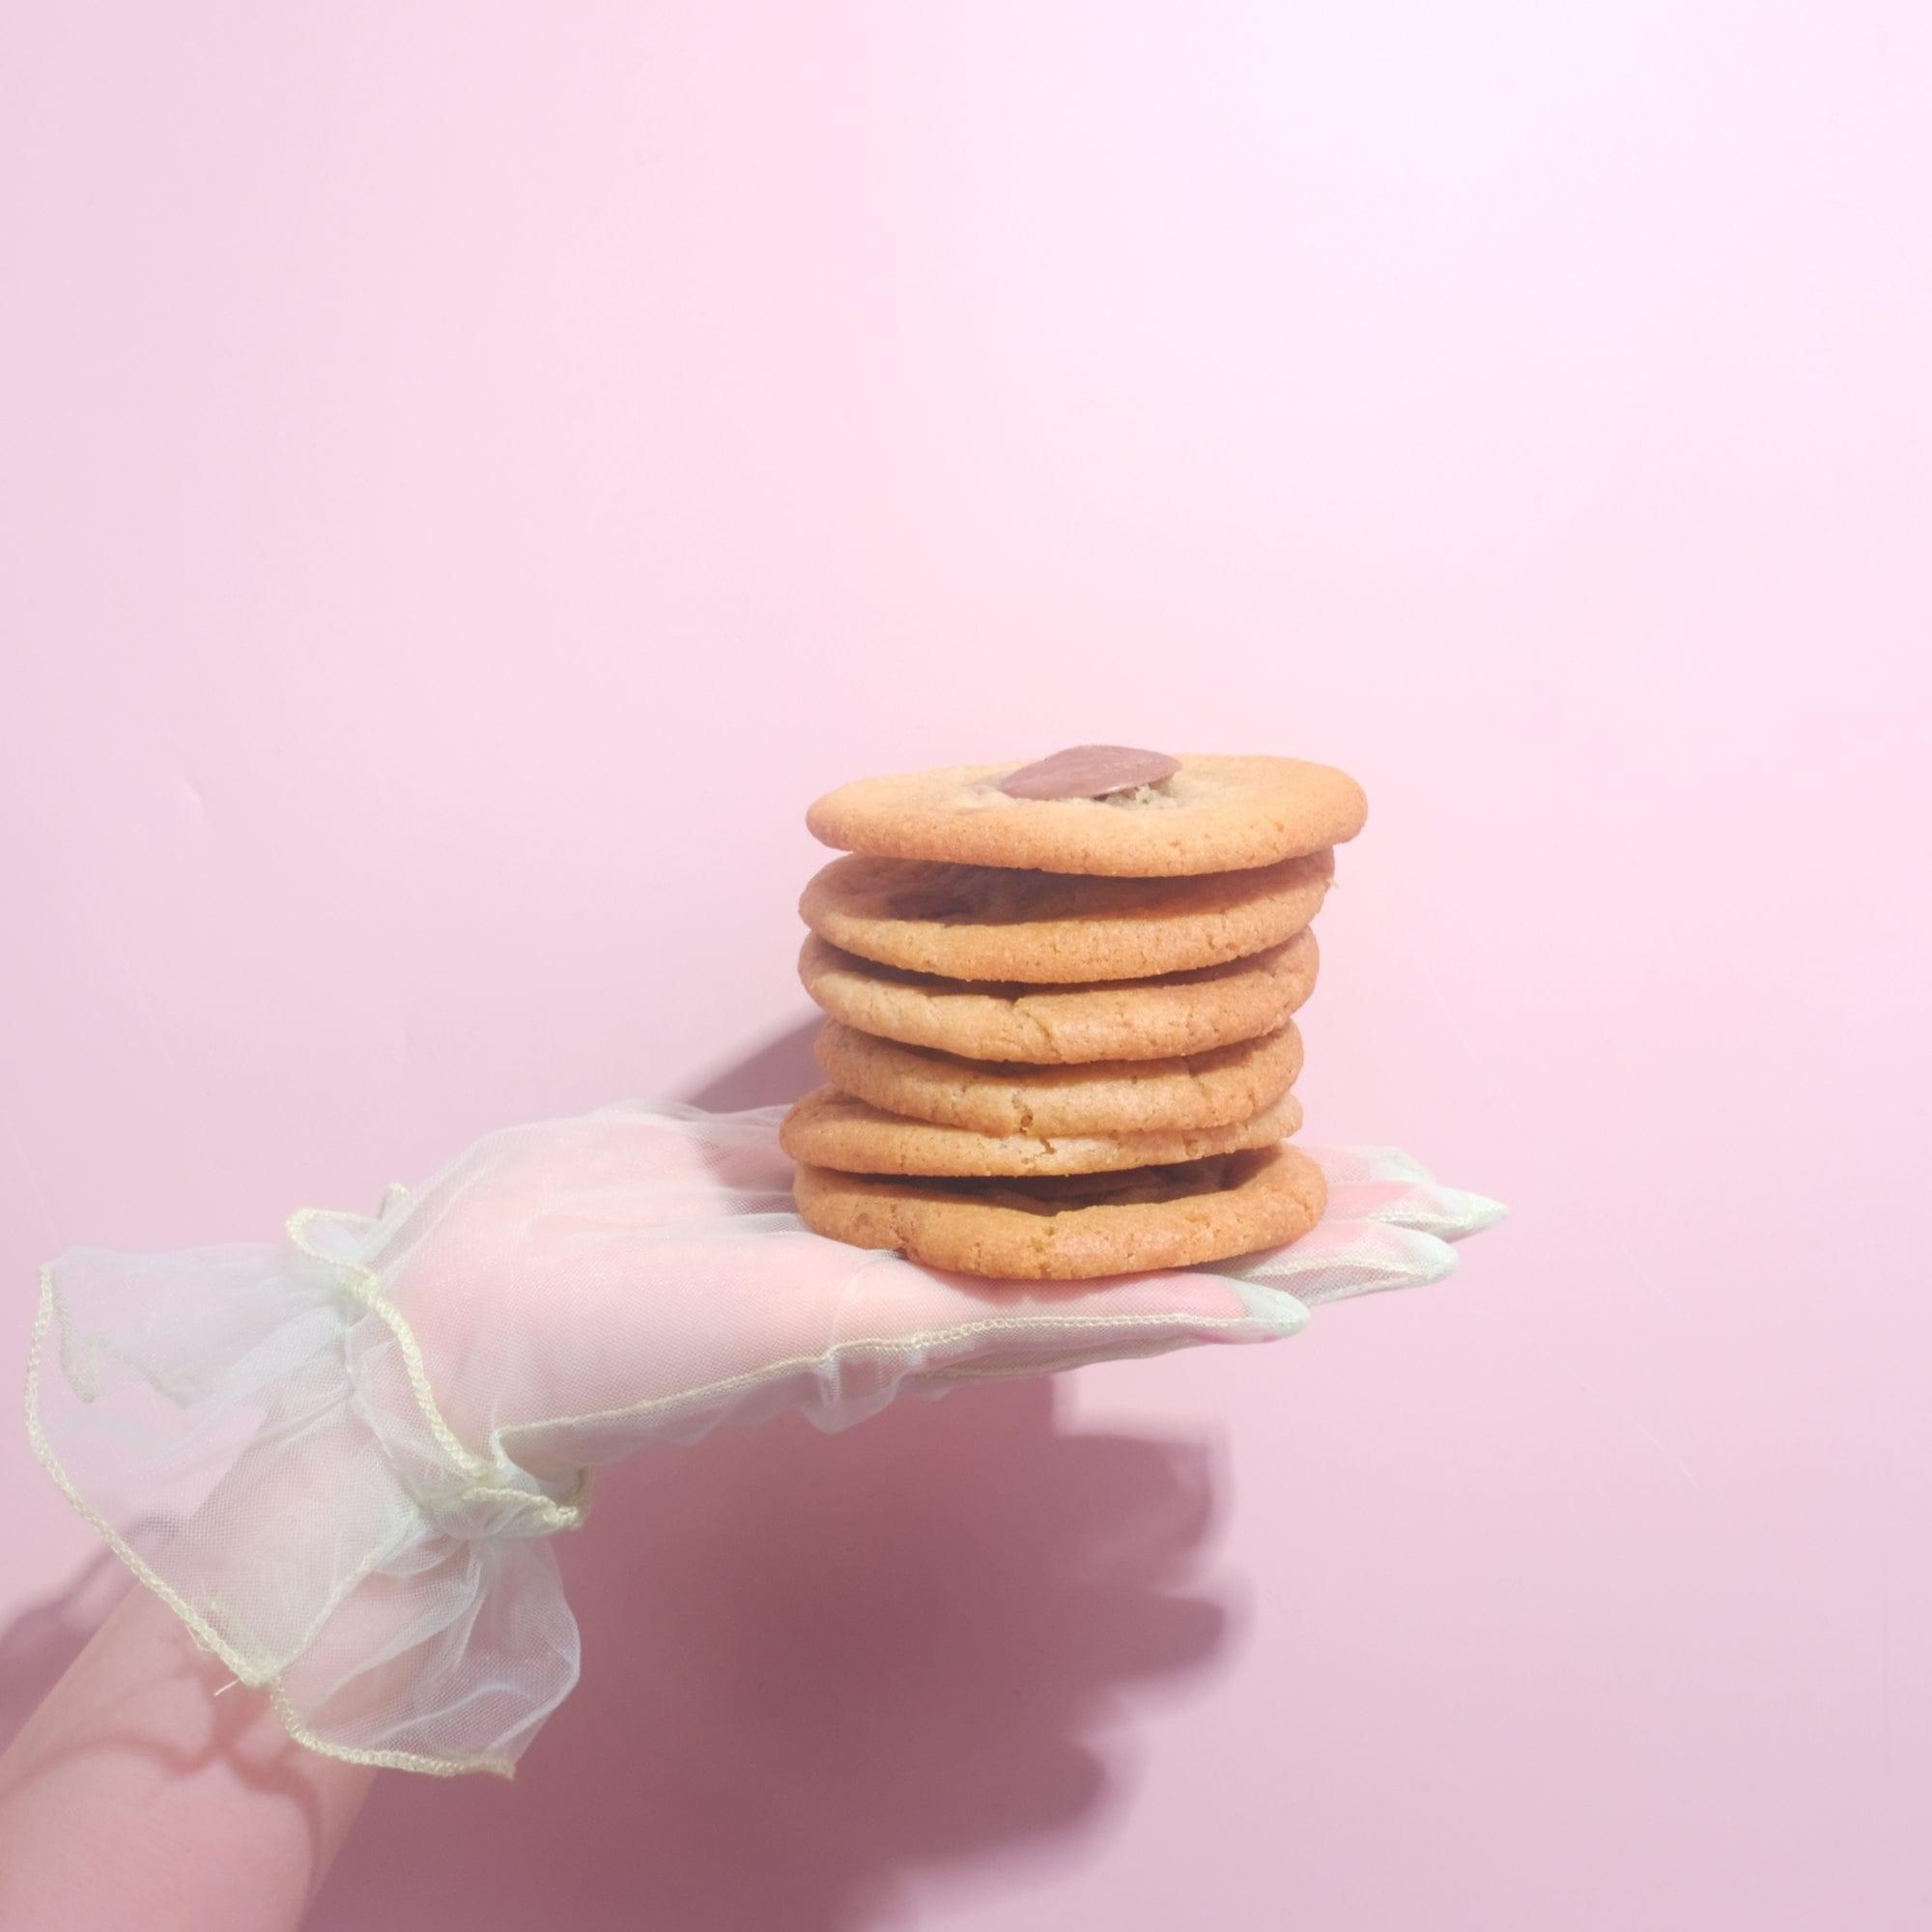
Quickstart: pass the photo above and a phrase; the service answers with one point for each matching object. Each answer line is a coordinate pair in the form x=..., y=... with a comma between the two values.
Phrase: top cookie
x=1213, y=814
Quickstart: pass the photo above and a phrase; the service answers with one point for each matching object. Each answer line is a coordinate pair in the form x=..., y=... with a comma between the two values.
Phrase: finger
x=1387, y=1184
x=1339, y=1260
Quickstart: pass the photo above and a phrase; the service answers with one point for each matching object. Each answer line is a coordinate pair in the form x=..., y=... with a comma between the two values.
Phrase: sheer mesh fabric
x=359, y=1438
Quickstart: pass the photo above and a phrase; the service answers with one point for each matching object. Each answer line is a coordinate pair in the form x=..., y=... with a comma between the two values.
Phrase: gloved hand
x=350, y=1445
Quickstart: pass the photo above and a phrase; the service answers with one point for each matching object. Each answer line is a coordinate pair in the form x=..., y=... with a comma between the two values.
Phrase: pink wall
x=475, y=471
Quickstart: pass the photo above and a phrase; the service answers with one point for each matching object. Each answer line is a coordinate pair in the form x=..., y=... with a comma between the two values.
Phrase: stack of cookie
x=1060, y=1037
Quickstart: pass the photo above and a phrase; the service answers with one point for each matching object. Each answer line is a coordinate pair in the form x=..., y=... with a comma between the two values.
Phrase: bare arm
x=136, y=1794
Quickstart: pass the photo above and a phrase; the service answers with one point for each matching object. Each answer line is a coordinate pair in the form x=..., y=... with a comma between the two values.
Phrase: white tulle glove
x=348, y=1447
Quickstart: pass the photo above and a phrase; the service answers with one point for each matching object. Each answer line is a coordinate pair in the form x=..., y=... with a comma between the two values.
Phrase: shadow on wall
x=780, y=1070
x=814, y=1666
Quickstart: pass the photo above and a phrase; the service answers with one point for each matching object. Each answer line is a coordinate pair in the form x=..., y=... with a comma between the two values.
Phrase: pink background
x=474, y=473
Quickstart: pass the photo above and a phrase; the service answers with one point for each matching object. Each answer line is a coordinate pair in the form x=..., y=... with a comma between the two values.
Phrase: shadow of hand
x=815, y=1665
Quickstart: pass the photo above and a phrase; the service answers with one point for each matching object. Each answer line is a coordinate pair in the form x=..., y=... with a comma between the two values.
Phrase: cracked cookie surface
x=1074, y=1227
x=1204, y=1090
x=1214, y=815
x=1117, y=1019
x=833, y=1130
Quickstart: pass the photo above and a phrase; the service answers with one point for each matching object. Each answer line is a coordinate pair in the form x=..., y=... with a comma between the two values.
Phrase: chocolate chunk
x=1090, y=771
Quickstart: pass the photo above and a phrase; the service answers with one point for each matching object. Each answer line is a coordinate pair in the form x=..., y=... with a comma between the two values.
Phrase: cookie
x=1048, y=928
x=1214, y=815
x=1074, y=1227
x=833, y=1130
x=1102, y=1096
x=1111, y=1019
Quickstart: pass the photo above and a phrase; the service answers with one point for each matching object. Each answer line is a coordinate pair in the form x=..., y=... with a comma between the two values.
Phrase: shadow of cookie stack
x=1060, y=1038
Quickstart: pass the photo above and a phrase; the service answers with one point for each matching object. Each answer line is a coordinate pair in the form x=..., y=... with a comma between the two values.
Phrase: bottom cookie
x=1073, y=1227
